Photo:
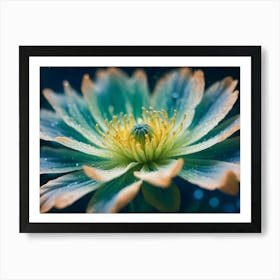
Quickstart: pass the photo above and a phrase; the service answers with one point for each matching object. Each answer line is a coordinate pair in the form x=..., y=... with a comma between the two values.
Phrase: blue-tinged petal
x=74, y=112
x=214, y=107
x=91, y=96
x=82, y=147
x=114, y=195
x=227, y=150
x=170, y=89
x=62, y=160
x=104, y=175
x=110, y=93
x=212, y=174
x=139, y=93
x=191, y=99
x=217, y=135
x=79, y=110
x=180, y=90
x=165, y=200
x=65, y=190
x=52, y=126
x=162, y=173
x=216, y=90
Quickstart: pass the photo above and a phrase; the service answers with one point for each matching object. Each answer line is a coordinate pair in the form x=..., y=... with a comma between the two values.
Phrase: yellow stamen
x=146, y=139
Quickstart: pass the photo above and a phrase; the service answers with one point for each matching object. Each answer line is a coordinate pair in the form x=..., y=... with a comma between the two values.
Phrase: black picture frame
x=254, y=52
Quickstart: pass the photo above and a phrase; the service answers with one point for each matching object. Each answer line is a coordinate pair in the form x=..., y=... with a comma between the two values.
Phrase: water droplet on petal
x=175, y=95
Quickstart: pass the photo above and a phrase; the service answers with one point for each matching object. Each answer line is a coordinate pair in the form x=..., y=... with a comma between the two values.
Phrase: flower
x=117, y=138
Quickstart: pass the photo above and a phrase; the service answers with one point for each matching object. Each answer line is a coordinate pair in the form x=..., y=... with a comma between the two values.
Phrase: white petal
x=212, y=174
x=214, y=115
x=214, y=107
x=218, y=135
x=73, y=111
x=63, y=191
x=82, y=147
x=62, y=160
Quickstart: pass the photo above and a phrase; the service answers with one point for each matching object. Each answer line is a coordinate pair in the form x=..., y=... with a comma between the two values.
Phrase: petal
x=91, y=96
x=212, y=174
x=63, y=191
x=82, y=147
x=165, y=200
x=125, y=196
x=217, y=135
x=180, y=90
x=211, y=95
x=61, y=160
x=139, y=93
x=74, y=112
x=227, y=150
x=103, y=175
x=195, y=95
x=211, y=111
x=170, y=89
x=51, y=126
x=163, y=176
x=114, y=195
x=110, y=93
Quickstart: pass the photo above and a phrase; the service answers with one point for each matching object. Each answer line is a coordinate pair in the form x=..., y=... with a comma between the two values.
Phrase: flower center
x=144, y=140
x=139, y=131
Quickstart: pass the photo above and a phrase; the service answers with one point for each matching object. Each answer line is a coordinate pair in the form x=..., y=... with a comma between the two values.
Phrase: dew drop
x=175, y=95
x=53, y=124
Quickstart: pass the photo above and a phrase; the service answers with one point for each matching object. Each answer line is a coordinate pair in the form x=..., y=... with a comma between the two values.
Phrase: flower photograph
x=140, y=140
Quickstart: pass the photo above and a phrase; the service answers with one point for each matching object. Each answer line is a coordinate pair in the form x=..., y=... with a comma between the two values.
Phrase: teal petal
x=211, y=174
x=228, y=150
x=65, y=190
x=165, y=200
x=139, y=93
x=91, y=96
x=217, y=135
x=114, y=195
x=73, y=110
x=110, y=93
x=62, y=160
x=215, y=105
x=52, y=126
x=180, y=90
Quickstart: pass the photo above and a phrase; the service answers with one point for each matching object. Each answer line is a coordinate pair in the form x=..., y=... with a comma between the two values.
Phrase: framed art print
x=140, y=139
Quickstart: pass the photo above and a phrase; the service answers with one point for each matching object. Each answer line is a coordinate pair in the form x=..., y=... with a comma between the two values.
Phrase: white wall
x=139, y=256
